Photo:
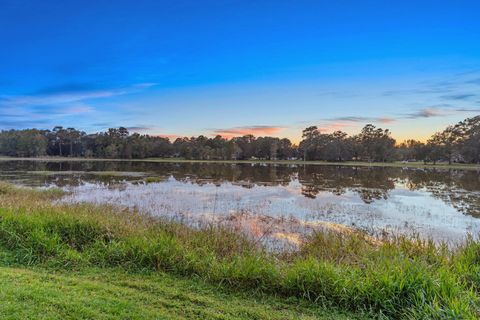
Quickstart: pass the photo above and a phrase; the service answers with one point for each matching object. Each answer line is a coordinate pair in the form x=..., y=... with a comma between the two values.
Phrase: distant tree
x=376, y=144
x=309, y=144
x=460, y=142
x=73, y=137
x=23, y=143
x=285, y=149
x=412, y=150
x=442, y=145
x=467, y=139
x=339, y=147
x=59, y=139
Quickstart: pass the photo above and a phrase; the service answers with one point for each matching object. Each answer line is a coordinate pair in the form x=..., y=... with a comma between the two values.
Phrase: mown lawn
x=39, y=293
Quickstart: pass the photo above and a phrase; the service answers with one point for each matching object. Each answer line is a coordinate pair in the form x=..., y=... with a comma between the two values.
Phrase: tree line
x=457, y=143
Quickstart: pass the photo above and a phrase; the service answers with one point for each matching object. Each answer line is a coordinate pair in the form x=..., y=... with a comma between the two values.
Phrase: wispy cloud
x=364, y=119
x=70, y=92
x=469, y=72
x=438, y=111
x=473, y=81
x=22, y=123
x=241, y=131
x=346, y=122
x=432, y=89
x=139, y=129
x=467, y=110
x=56, y=102
x=66, y=88
x=426, y=113
x=331, y=126
x=460, y=96
x=338, y=94
x=343, y=123
x=452, y=88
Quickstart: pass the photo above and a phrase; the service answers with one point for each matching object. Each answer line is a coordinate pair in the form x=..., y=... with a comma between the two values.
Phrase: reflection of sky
x=403, y=212
x=230, y=68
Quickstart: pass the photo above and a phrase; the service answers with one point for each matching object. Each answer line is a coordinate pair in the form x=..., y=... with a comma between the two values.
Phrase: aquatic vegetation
x=391, y=277
x=154, y=179
x=282, y=209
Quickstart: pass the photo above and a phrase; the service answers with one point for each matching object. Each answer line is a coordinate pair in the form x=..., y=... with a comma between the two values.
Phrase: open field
x=389, y=278
x=397, y=164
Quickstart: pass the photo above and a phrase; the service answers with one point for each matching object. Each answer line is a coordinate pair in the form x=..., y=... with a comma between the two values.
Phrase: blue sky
x=232, y=67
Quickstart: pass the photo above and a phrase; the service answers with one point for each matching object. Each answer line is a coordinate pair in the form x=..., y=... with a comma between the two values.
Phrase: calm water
x=279, y=201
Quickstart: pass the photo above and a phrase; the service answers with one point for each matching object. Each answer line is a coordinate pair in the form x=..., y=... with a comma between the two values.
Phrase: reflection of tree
x=370, y=183
x=460, y=188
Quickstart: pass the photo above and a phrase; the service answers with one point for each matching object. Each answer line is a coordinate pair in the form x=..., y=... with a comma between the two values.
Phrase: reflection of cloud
x=253, y=130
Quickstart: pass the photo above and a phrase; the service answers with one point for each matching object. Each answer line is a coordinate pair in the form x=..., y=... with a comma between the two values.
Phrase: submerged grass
x=392, y=278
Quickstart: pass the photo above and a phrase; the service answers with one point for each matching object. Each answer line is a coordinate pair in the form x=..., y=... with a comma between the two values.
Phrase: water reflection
x=369, y=183
x=458, y=188
x=377, y=196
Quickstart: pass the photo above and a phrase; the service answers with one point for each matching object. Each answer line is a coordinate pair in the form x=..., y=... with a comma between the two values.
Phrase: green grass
x=154, y=179
x=394, y=278
x=397, y=164
x=38, y=293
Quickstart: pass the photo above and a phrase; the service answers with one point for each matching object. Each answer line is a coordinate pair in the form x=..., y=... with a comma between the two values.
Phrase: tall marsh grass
x=391, y=278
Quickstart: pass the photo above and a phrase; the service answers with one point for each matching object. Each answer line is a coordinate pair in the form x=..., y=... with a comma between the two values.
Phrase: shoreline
x=280, y=162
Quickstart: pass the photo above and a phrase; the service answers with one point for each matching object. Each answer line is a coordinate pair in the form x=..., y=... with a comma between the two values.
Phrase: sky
x=234, y=67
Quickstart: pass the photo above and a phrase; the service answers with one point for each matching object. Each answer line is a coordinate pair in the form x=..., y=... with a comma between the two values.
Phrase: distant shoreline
x=396, y=164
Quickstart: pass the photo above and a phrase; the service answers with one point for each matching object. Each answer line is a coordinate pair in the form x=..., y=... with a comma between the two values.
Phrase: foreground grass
x=39, y=293
x=395, y=278
x=396, y=164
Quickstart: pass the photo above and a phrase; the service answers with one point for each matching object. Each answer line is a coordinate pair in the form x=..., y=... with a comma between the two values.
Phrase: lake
x=273, y=201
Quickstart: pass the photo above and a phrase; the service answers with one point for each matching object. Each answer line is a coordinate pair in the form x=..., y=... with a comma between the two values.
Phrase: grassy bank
x=397, y=164
x=396, y=278
x=40, y=293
